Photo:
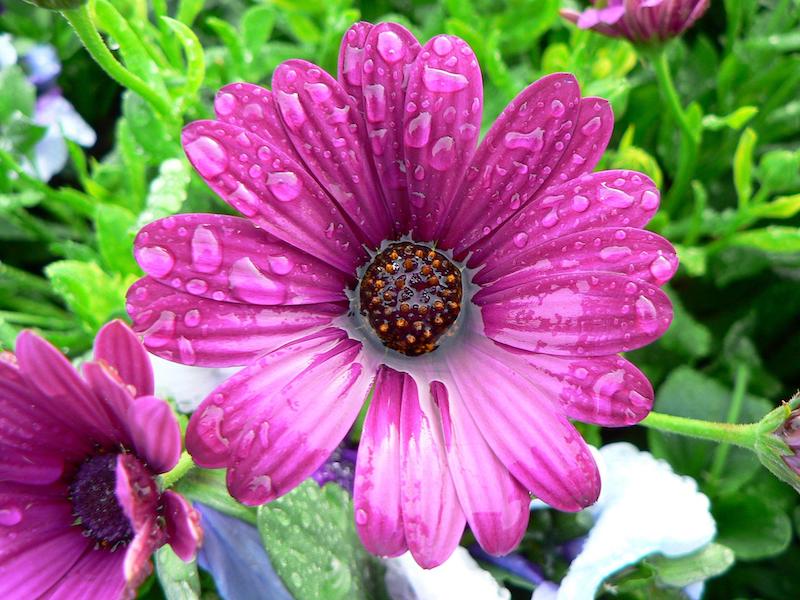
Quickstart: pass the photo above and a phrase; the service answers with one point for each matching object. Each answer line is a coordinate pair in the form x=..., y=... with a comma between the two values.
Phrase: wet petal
x=98, y=574
x=524, y=427
x=229, y=258
x=443, y=117
x=119, y=347
x=515, y=159
x=432, y=516
x=637, y=253
x=253, y=108
x=155, y=433
x=605, y=390
x=376, y=498
x=602, y=199
x=114, y=394
x=324, y=125
x=351, y=60
x=276, y=421
x=389, y=52
x=197, y=331
x=183, y=525
x=495, y=504
x=258, y=179
x=581, y=313
x=52, y=375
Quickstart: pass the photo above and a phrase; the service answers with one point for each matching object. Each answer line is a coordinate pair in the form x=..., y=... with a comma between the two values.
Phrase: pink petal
x=253, y=108
x=602, y=199
x=432, y=516
x=276, y=421
x=155, y=433
x=69, y=397
x=633, y=252
x=606, y=390
x=257, y=178
x=324, y=125
x=496, y=505
x=119, y=347
x=113, y=393
x=389, y=52
x=229, y=258
x=196, y=331
x=29, y=465
x=376, y=498
x=183, y=525
x=524, y=428
x=592, y=314
x=351, y=59
x=441, y=125
x=98, y=574
x=32, y=565
x=515, y=159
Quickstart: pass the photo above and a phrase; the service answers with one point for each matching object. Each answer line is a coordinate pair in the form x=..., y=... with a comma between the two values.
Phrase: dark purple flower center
x=411, y=296
x=94, y=501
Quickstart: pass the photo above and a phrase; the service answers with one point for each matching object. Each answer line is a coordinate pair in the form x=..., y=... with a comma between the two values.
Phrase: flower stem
x=82, y=23
x=185, y=464
x=727, y=433
x=690, y=139
x=735, y=409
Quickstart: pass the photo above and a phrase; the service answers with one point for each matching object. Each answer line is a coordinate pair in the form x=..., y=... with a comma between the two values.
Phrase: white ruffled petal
x=187, y=386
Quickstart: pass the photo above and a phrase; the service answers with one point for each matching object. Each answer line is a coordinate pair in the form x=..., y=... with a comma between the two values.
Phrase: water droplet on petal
x=207, y=155
x=591, y=126
x=162, y=331
x=533, y=140
x=251, y=285
x=615, y=253
x=614, y=197
x=291, y=109
x=647, y=314
x=550, y=219
x=319, y=92
x=280, y=265
x=391, y=47
x=418, y=131
x=196, y=286
x=155, y=260
x=650, y=200
x=253, y=112
x=225, y=104
x=206, y=250
x=191, y=318
x=443, y=153
x=637, y=399
x=437, y=80
x=661, y=269
x=375, y=100
x=520, y=239
x=284, y=185
x=580, y=203
x=442, y=45
x=361, y=516
x=186, y=351
x=557, y=108
x=244, y=200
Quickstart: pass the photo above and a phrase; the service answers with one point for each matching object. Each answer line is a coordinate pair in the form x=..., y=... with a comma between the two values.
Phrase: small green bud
x=778, y=442
x=57, y=4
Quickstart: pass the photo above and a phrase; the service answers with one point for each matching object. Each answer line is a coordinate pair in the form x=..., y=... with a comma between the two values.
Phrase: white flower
x=458, y=577
x=644, y=509
x=63, y=122
x=187, y=386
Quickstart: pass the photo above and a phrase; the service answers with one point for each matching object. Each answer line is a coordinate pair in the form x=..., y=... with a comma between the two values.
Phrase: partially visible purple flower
x=42, y=65
x=63, y=123
x=234, y=555
x=513, y=563
x=340, y=468
x=80, y=509
x=640, y=21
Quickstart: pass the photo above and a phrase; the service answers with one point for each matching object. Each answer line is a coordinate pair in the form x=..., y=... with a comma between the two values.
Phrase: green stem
x=739, y=435
x=185, y=464
x=81, y=22
x=690, y=139
x=734, y=411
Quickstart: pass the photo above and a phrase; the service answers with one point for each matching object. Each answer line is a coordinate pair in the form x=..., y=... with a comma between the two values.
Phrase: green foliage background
x=66, y=262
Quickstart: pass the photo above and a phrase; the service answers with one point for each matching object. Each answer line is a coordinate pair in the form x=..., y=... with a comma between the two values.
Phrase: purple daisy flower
x=80, y=509
x=483, y=292
x=640, y=20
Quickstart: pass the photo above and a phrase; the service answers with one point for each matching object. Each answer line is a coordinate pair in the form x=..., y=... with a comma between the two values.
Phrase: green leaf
x=686, y=336
x=257, y=23
x=310, y=535
x=18, y=94
x=179, y=580
x=735, y=120
x=710, y=561
x=21, y=133
x=784, y=207
x=94, y=296
x=779, y=170
x=195, y=60
x=752, y=526
x=232, y=40
x=743, y=166
x=149, y=130
x=115, y=232
x=167, y=191
x=770, y=239
x=208, y=486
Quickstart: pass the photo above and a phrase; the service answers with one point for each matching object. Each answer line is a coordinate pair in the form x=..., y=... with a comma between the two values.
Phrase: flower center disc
x=94, y=501
x=411, y=295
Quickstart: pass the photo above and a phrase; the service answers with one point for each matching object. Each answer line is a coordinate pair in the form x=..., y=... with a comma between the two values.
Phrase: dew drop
x=280, y=265
x=615, y=253
x=647, y=314
x=614, y=197
x=206, y=250
x=418, y=131
x=186, y=351
x=191, y=318
x=581, y=373
x=580, y=203
x=155, y=260
x=162, y=331
x=291, y=109
x=10, y=516
x=361, y=516
x=650, y=200
x=437, y=80
x=251, y=285
x=442, y=45
x=550, y=219
x=196, y=287
x=637, y=399
x=520, y=239
x=443, y=153
x=557, y=108
x=244, y=200
x=319, y=92
x=253, y=112
x=375, y=100
x=284, y=185
x=391, y=47
x=661, y=269
x=531, y=141
x=591, y=126
x=225, y=104
x=207, y=155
